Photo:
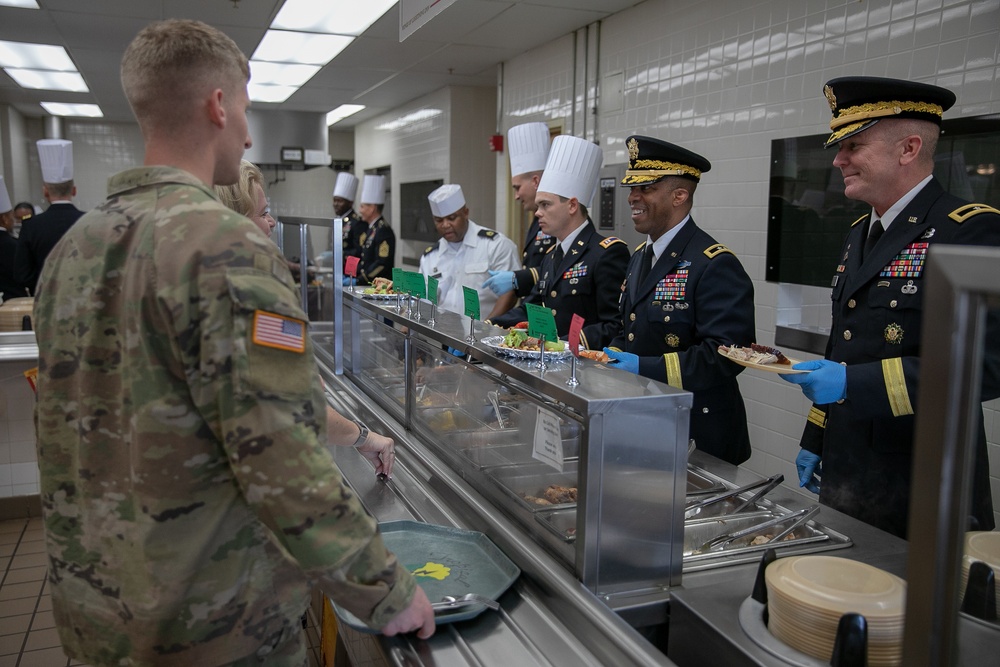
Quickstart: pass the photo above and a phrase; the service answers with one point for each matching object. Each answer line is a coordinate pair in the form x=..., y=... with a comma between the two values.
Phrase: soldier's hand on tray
x=826, y=384
x=626, y=361
x=419, y=617
x=381, y=451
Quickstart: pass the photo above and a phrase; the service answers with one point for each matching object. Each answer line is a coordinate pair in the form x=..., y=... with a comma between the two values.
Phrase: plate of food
x=517, y=343
x=761, y=357
x=380, y=290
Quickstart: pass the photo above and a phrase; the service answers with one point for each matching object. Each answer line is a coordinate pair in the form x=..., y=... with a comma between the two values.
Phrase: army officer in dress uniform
x=861, y=424
x=378, y=241
x=528, y=147
x=582, y=273
x=685, y=294
x=344, y=192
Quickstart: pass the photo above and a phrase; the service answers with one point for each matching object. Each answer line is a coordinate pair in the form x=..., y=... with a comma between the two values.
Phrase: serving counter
x=598, y=573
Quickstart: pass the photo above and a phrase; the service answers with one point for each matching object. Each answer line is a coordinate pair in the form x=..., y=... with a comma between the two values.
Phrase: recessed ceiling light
x=82, y=110
x=26, y=4
x=268, y=93
x=344, y=17
x=282, y=46
x=35, y=56
x=342, y=112
x=44, y=80
x=280, y=74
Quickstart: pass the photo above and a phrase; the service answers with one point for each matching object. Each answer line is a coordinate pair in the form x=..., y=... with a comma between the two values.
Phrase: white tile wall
x=18, y=460
x=724, y=79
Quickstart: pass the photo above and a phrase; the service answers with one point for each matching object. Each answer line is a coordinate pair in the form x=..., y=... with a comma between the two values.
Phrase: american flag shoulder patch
x=278, y=331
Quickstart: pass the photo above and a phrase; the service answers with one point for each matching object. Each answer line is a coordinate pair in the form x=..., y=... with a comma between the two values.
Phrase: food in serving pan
x=518, y=339
x=554, y=494
x=380, y=286
x=755, y=354
x=764, y=539
x=595, y=355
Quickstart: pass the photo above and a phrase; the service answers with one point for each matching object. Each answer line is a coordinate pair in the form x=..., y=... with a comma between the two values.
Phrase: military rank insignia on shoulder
x=859, y=219
x=963, y=213
x=430, y=249
x=610, y=241
x=488, y=233
x=640, y=247
x=714, y=251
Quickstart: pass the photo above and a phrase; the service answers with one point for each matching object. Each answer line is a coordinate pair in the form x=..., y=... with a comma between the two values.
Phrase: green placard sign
x=541, y=322
x=398, y=280
x=432, y=290
x=417, y=287
x=471, y=302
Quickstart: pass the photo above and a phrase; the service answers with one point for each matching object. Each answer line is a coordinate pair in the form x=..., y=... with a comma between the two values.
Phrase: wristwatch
x=362, y=436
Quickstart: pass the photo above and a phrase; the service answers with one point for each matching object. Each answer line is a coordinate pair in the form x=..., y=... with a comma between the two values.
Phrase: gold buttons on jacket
x=553, y=293
x=631, y=337
x=852, y=303
x=847, y=334
x=892, y=304
x=632, y=317
x=573, y=292
x=666, y=318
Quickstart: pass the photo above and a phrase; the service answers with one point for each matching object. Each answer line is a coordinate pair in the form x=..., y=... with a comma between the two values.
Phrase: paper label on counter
x=548, y=439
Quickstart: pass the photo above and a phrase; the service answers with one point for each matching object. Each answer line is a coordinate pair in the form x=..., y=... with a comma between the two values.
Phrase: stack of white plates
x=807, y=595
x=983, y=546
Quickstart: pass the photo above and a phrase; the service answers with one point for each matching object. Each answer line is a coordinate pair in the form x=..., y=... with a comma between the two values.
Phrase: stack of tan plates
x=807, y=595
x=12, y=312
x=983, y=546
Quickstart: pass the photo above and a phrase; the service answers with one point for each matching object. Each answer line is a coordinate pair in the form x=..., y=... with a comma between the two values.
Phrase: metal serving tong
x=449, y=602
x=765, y=486
x=797, y=519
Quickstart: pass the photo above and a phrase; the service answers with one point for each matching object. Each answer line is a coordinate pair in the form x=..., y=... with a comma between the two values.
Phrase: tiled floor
x=28, y=636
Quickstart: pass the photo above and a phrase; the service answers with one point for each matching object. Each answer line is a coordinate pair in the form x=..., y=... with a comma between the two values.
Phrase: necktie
x=557, y=257
x=646, y=264
x=873, y=236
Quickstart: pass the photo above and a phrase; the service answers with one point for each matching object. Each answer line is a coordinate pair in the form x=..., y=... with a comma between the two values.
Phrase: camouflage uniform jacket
x=189, y=499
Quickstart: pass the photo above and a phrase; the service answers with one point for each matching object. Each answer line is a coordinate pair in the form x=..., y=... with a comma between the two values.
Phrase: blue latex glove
x=500, y=282
x=826, y=384
x=626, y=360
x=808, y=466
x=456, y=352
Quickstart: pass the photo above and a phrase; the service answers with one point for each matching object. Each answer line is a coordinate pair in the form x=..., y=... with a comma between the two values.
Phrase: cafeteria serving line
x=562, y=478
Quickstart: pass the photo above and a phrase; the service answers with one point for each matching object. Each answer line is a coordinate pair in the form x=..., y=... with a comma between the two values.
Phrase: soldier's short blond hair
x=241, y=196
x=171, y=65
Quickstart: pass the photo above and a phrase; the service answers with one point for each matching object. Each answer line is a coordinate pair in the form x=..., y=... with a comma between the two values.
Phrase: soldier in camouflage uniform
x=189, y=502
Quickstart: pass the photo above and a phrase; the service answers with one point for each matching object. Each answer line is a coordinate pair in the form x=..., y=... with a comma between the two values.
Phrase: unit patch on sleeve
x=278, y=331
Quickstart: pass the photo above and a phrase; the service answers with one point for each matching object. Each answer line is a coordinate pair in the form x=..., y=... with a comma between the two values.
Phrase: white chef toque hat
x=5, y=204
x=572, y=169
x=446, y=200
x=373, y=190
x=56, y=156
x=528, y=146
x=346, y=186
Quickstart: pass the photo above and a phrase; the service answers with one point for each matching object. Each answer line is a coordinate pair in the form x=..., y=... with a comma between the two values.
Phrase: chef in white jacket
x=465, y=254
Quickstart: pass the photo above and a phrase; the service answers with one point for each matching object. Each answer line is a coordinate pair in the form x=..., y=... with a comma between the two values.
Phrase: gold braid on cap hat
x=863, y=112
x=657, y=168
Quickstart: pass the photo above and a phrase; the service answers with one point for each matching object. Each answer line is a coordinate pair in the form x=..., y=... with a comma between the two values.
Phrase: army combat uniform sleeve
x=270, y=421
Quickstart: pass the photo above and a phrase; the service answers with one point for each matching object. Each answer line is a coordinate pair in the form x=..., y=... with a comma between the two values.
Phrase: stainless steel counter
x=547, y=618
x=18, y=346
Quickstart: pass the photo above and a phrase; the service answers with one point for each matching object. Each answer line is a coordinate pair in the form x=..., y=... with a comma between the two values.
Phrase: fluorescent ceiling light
x=281, y=46
x=42, y=80
x=280, y=74
x=342, y=112
x=340, y=17
x=267, y=93
x=35, y=56
x=26, y=4
x=62, y=109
